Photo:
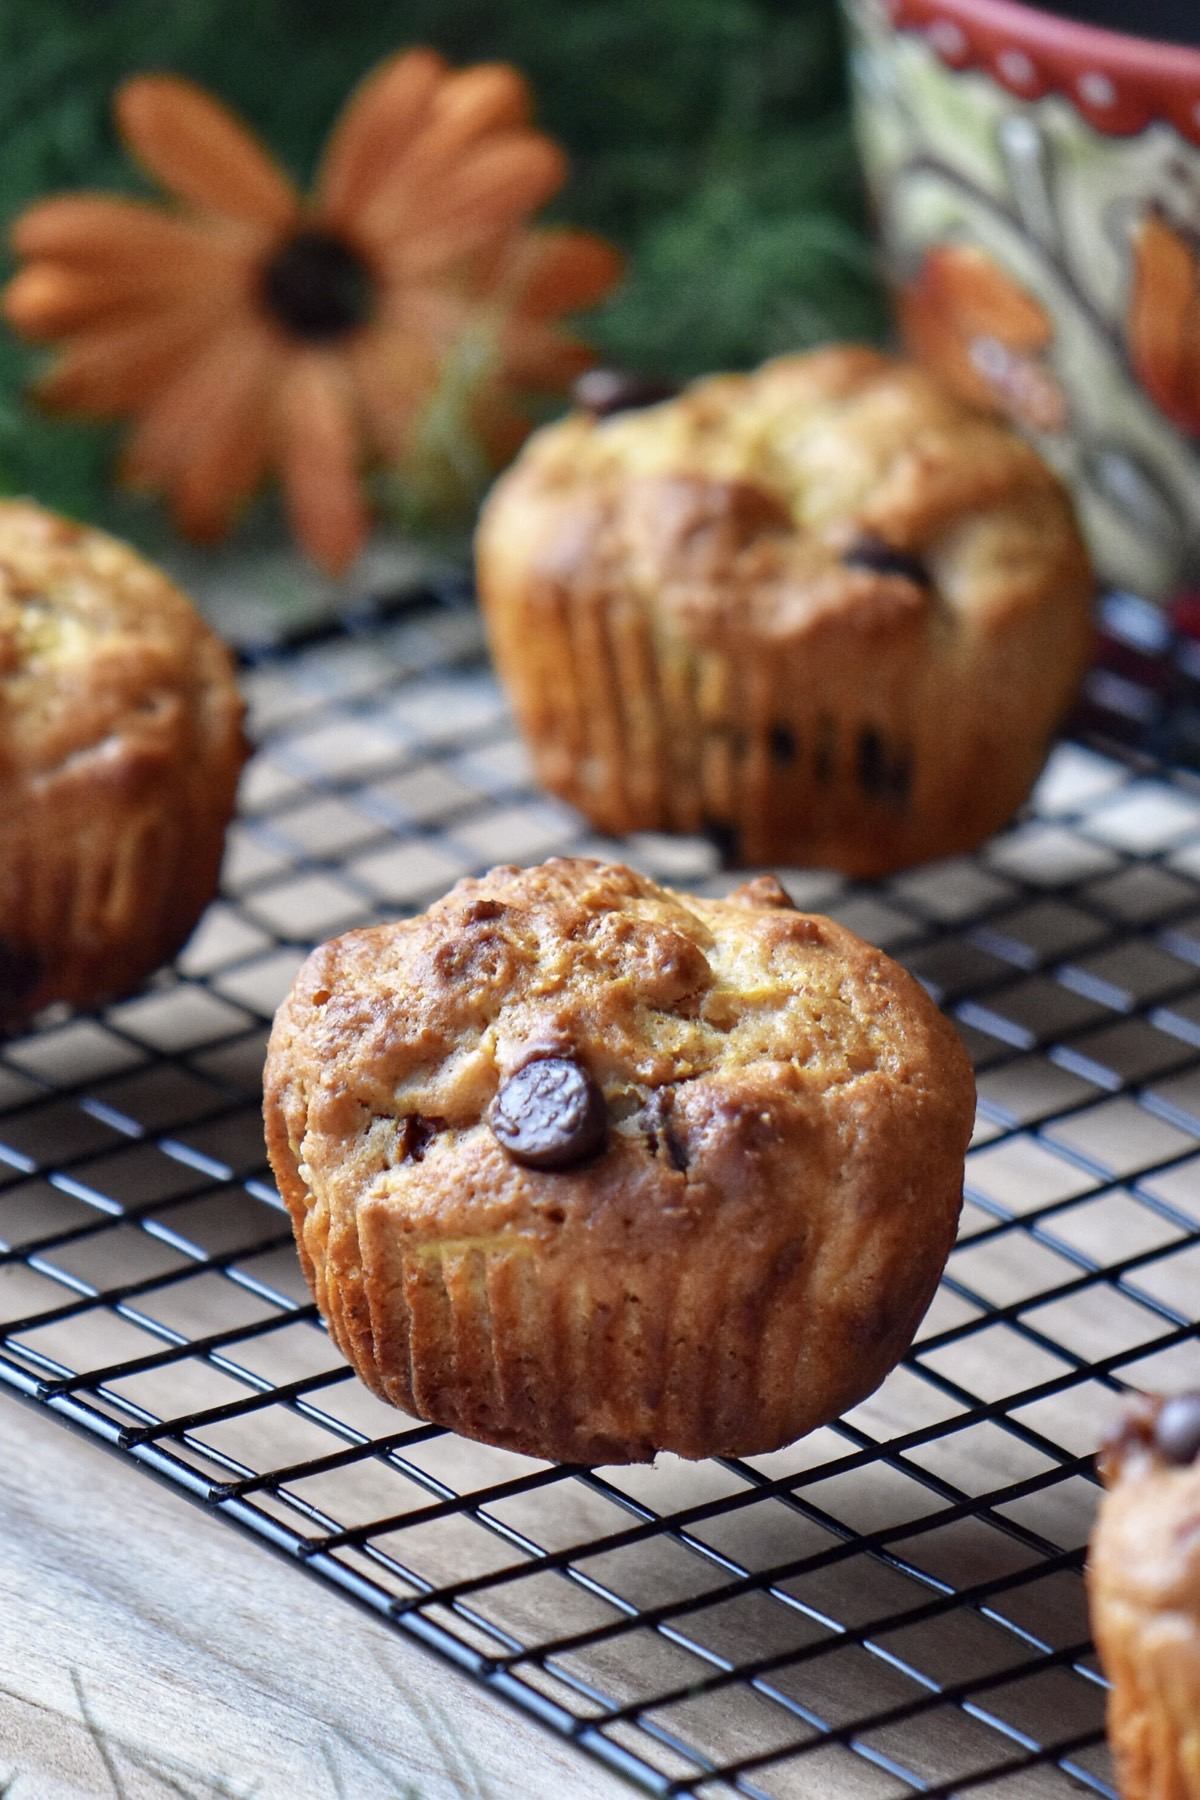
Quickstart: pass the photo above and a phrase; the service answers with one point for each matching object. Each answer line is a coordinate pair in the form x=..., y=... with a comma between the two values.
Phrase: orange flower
x=983, y=334
x=248, y=330
x=1164, y=320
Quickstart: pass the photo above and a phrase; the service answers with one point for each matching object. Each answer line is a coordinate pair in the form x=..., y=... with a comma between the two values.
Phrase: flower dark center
x=318, y=286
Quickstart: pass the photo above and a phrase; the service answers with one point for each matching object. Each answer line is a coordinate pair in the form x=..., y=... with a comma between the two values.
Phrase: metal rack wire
x=893, y=1605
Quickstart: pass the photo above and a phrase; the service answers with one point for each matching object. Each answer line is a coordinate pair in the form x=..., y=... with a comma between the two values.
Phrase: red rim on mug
x=1120, y=83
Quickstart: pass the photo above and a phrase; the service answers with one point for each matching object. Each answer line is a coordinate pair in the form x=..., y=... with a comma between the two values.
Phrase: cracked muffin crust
x=120, y=748
x=823, y=611
x=589, y=1168
x=1144, y=1591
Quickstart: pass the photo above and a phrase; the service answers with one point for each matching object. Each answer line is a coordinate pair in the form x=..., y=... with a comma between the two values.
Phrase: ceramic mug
x=1036, y=181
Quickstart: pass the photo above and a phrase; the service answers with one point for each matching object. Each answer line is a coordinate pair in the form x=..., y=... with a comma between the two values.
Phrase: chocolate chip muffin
x=823, y=612
x=589, y=1168
x=120, y=748
x=1144, y=1587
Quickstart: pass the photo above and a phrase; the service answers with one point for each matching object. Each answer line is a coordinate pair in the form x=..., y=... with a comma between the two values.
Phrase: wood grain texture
x=148, y=1651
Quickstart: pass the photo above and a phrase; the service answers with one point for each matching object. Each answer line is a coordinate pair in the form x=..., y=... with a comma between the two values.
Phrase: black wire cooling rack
x=893, y=1605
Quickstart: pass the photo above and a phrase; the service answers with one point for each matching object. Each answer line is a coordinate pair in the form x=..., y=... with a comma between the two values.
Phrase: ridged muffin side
x=823, y=611
x=748, y=1254
x=1144, y=1593
x=121, y=744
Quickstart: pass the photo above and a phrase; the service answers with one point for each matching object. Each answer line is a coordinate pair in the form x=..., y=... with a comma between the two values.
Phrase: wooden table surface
x=147, y=1650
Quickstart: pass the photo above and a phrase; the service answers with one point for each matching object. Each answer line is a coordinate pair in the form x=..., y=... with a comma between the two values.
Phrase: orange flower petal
x=482, y=105
x=504, y=180
x=47, y=300
x=116, y=368
x=554, y=272
x=379, y=120
x=1166, y=284
x=472, y=104
x=395, y=374
x=100, y=228
x=500, y=428
x=228, y=461
x=435, y=315
x=319, y=452
x=203, y=440
x=534, y=356
x=197, y=150
x=168, y=424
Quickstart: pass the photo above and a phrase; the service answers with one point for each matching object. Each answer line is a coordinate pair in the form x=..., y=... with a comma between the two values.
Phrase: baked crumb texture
x=748, y=1252
x=1144, y=1590
x=120, y=748
x=695, y=613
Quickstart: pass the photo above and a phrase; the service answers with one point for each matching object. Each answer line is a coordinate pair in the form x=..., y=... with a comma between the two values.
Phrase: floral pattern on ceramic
x=1041, y=233
x=1164, y=319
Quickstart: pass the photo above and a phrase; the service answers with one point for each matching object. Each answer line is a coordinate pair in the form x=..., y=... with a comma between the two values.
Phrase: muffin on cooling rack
x=120, y=748
x=589, y=1168
x=824, y=612
x=1144, y=1588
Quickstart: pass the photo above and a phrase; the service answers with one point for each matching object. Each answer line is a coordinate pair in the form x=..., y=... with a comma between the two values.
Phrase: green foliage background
x=708, y=138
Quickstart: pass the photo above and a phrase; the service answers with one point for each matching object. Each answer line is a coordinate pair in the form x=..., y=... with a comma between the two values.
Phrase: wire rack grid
x=893, y=1605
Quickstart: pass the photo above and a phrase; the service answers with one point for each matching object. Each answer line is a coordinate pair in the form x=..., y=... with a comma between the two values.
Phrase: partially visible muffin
x=589, y=1168
x=824, y=612
x=120, y=748
x=1144, y=1588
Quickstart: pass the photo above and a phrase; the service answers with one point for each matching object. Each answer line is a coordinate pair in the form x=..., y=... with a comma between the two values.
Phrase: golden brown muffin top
x=1146, y=1548
x=726, y=1037
x=842, y=487
x=102, y=659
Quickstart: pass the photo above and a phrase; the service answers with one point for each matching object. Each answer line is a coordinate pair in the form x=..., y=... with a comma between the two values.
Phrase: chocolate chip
x=884, y=770
x=783, y=743
x=724, y=839
x=882, y=558
x=1177, y=1429
x=764, y=890
x=480, y=911
x=1132, y=1434
x=603, y=392
x=826, y=746
x=661, y=1134
x=550, y=1114
x=20, y=972
x=415, y=1135
x=872, y=762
